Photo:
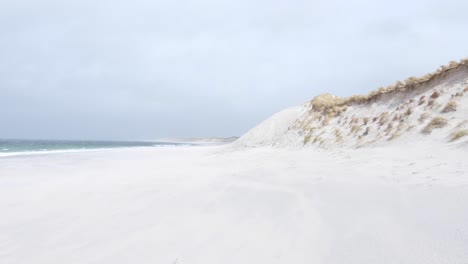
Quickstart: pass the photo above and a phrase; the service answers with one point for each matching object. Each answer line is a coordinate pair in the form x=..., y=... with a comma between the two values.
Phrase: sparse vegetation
x=394, y=136
x=317, y=138
x=390, y=124
x=436, y=122
x=411, y=80
x=458, y=134
x=326, y=101
x=399, y=85
x=366, y=132
x=409, y=111
x=326, y=121
x=311, y=129
x=435, y=95
x=389, y=128
x=450, y=107
x=423, y=117
x=400, y=126
x=338, y=136
x=421, y=102
x=365, y=120
x=383, y=118
x=355, y=129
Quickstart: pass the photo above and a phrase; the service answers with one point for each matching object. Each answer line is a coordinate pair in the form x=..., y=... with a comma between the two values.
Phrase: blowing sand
x=225, y=205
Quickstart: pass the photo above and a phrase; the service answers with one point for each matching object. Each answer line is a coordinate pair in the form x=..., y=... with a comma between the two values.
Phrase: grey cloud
x=147, y=69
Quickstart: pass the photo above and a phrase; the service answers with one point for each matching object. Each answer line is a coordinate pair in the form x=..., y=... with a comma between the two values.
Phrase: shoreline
x=71, y=150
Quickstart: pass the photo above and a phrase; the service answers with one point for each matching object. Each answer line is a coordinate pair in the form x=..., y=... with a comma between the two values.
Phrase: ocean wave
x=45, y=152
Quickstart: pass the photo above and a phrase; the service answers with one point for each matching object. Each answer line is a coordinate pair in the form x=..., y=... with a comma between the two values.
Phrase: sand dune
x=433, y=107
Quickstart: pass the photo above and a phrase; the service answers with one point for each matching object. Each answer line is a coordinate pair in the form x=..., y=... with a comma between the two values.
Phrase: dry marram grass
x=326, y=121
x=458, y=134
x=383, y=118
x=338, y=136
x=326, y=101
x=326, y=107
x=409, y=111
x=317, y=138
x=355, y=129
x=366, y=132
x=450, y=107
x=435, y=95
x=365, y=120
x=423, y=117
x=389, y=128
x=436, y=122
x=394, y=136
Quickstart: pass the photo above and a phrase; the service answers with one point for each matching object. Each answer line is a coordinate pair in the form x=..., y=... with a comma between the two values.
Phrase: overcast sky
x=144, y=69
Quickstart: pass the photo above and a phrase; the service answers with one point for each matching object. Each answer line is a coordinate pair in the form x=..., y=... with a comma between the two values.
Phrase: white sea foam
x=44, y=152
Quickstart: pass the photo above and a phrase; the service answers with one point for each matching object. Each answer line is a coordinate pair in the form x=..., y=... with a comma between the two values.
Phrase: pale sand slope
x=220, y=205
x=433, y=107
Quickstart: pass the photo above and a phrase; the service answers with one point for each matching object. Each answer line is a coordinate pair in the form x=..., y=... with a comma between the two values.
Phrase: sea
x=13, y=147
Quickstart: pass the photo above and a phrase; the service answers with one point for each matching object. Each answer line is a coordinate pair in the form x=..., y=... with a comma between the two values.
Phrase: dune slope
x=433, y=107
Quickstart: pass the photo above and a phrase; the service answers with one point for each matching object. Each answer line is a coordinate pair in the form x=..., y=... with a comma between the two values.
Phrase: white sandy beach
x=229, y=205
